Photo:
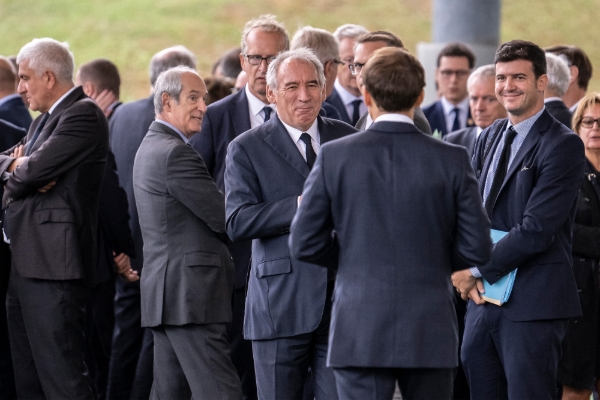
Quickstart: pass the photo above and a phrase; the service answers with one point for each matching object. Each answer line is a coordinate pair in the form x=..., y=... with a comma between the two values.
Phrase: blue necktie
x=356, y=112
x=267, y=111
x=36, y=134
x=456, y=123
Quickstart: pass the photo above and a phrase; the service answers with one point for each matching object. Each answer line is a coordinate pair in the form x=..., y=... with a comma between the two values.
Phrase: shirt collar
x=394, y=117
x=549, y=99
x=448, y=107
x=345, y=95
x=574, y=107
x=9, y=98
x=57, y=102
x=185, y=139
x=523, y=127
x=479, y=130
x=313, y=131
x=255, y=104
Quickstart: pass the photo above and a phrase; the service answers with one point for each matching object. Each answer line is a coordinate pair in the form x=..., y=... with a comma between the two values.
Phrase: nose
x=202, y=106
x=21, y=87
x=263, y=66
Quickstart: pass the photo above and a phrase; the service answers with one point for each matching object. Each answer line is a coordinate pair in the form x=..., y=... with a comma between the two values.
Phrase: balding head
x=169, y=58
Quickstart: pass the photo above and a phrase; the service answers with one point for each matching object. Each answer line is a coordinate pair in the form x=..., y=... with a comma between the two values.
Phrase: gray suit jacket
x=419, y=119
x=465, y=137
x=188, y=272
x=264, y=176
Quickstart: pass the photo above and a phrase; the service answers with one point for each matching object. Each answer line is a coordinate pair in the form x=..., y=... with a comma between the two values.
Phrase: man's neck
x=573, y=94
x=516, y=119
x=4, y=93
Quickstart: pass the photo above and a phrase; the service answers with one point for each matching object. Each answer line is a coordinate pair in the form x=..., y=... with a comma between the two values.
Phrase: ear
x=166, y=102
x=420, y=99
x=243, y=62
x=49, y=78
x=271, y=95
x=89, y=89
x=574, y=73
x=366, y=96
x=542, y=82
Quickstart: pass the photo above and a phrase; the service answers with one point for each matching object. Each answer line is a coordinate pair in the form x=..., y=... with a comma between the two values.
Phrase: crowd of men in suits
x=307, y=236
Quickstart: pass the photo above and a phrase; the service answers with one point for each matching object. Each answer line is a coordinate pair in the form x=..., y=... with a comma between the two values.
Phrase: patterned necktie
x=36, y=134
x=311, y=156
x=500, y=173
x=356, y=112
x=267, y=111
x=456, y=123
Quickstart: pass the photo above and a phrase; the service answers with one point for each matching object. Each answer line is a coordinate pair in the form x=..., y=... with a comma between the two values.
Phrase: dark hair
x=102, y=73
x=457, y=50
x=394, y=78
x=230, y=63
x=389, y=38
x=578, y=58
x=217, y=88
x=522, y=50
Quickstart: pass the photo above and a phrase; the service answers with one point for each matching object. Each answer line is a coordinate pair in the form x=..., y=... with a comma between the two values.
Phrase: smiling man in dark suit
x=52, y=182
x=388, y=208
x=529, y=168
x=288, y=303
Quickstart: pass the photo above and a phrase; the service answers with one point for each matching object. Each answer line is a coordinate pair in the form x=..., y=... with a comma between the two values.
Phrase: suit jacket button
x=231, y=258
x=586, y=199
x=582, y=259
x=478, y=173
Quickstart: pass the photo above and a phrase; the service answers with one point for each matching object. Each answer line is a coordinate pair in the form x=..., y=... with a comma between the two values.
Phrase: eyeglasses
x=460, y=73
x=589, y=122
x=257, y=60
x=355, y=68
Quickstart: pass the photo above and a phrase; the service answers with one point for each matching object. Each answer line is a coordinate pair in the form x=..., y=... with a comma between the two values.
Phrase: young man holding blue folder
x=529, y=170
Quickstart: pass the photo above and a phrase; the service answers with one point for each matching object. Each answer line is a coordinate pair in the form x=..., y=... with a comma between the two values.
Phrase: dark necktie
x=501, y=170
x=356, y=112
x=311, y=156
x=36, y=134
x=456, y=123
x=267, y=111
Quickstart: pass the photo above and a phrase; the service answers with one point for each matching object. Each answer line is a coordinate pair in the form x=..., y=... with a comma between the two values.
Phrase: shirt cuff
x=475, y=272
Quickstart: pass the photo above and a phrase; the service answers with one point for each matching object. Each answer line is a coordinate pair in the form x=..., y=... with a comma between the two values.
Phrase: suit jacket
x=16, y=112
x=536, y=206
x=464, y=137
x=114, y=234
x=437, y=119
x=224, y=121
x=335, y=101
x=560, y=112
x=265, y=175
x=419, y=120
x=53, y=234
x=389, y=208
x=10, y=134
x=329, y=111
x=128, y=125
x=188, y=272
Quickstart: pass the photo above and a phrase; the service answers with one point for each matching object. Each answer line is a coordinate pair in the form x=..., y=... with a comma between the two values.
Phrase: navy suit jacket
x=224, y=121
x=15, y=112
x=393, y=206
x=335, y=100
x=265, y=175
x=536, y=206
x=437, y=120
x=560, y=112
x=464, y=137
x=128, y=127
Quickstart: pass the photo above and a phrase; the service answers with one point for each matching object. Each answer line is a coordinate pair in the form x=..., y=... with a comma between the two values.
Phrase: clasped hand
x=468, y=286
x=19, y=155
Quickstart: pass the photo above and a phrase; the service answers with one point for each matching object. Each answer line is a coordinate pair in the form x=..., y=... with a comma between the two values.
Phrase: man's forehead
x=192, y=81
x=514, y=67
x=292, y=65
x=258, y=36
x=482, y=84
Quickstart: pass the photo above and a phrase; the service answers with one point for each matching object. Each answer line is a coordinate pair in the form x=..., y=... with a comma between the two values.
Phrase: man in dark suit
x=558, y=82
x=346, y=96
x=529, y=169
x=288, y=303
x=451, y=112
x=130, y=374
x=263, y=38
x=12, y=108
x=365, y=46
x=188, y=273
x=366, y=213
x=581, y=71
x=484, y=107
x=52, y=180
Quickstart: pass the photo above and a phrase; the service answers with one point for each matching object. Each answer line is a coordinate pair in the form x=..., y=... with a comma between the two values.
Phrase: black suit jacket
x=392, y=205
x=536, y=206
x=128, y=125
x=53, y=234
x=560, y=112
x=437, y=120
x=15, y=112
x=464, y=137
x=335, y=100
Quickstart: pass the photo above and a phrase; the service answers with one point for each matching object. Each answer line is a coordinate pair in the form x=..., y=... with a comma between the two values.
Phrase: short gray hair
x=265, y=23
x=47, y=54
x=485, y=71
x=349, y=31
x=324, y=44
x=169, y=82
x=558, y=72
x=303, y=55
x=169, y=58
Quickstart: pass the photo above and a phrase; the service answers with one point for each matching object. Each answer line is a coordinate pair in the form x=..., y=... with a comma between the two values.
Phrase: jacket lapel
x=279, y=139
x=240, y=114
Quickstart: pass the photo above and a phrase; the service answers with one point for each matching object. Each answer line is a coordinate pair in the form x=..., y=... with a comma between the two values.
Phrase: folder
x=499, y=292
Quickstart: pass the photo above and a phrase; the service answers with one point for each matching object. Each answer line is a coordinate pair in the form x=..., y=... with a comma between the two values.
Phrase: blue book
x=499, y=292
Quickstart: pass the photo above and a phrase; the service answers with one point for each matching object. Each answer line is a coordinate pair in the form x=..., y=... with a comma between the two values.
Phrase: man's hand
x=19, y=155
x=47, y=187
x=475, y=293
x=104, y=100
x=123, y=267
x=468, y=287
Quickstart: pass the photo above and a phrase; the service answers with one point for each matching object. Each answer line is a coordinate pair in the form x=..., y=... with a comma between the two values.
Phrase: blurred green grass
x=129, y=32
